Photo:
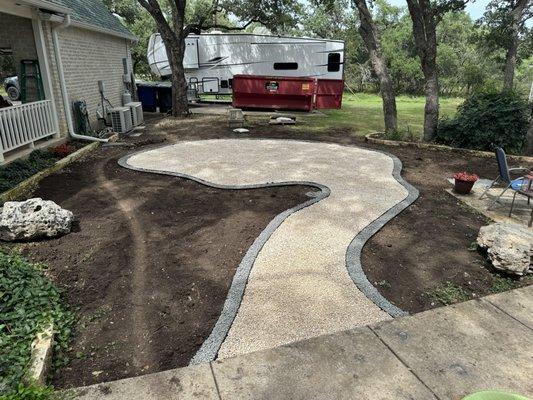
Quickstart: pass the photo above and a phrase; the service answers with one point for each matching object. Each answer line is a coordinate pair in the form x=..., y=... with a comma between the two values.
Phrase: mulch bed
x=152, y=257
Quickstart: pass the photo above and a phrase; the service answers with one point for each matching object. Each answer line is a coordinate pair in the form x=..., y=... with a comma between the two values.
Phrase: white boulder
x=509, y=246
x=33, y=219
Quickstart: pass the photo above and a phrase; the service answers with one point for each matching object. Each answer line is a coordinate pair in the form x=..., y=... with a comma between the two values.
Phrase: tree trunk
x=529, y=144
x=174, y=40
x=431, y=110
x=425, y=35
x=180, y=104
x=510, y=58
x=370, y=35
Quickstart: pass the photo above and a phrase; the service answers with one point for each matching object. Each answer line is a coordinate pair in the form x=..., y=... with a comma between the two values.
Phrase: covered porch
x=31, y=120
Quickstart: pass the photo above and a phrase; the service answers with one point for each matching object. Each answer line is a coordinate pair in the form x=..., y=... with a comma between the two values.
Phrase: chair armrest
x=519, y=169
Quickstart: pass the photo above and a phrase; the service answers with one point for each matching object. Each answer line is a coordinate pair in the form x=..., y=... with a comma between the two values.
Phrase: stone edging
x=372, y=139
x=209, y=349
x=41, y=357
x=353, y=254
x=26, y=185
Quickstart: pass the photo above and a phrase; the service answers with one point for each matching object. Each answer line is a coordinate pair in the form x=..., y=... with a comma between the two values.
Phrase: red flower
x=465, y=176
x=63, y=150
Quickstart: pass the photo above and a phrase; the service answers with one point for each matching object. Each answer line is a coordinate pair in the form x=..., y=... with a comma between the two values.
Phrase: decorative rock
x=33, y=219
x=509, y=246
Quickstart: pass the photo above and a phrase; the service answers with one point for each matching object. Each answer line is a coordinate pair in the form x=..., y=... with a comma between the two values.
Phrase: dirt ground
x=149, y=263
x=423, y=258
x=152, y=257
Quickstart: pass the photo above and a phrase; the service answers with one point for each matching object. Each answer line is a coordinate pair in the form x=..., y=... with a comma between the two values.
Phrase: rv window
x=286, y=65
x=230, y=82
x=334, y=62
x=224, y=84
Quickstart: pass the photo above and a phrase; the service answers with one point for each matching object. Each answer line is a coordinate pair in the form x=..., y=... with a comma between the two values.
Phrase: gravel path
x=299, y=286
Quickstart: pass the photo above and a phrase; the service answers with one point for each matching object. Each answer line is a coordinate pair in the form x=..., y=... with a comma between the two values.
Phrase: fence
x=26, y=123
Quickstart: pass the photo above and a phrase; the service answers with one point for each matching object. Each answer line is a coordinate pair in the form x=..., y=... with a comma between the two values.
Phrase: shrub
x=485, y=120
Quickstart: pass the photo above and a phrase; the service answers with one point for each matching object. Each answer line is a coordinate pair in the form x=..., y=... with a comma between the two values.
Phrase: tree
x=425, y=15
x=370, y=35
x=505, y=21
x=173, y=29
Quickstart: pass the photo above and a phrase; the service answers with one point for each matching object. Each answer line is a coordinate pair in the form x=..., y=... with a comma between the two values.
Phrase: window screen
x=285, y=65
x=334, y=62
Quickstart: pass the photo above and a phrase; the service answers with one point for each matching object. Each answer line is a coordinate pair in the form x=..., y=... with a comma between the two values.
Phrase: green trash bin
x=494, y=395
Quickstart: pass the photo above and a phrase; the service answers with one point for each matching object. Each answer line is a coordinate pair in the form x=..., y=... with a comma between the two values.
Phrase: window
x=285, y=65
x=334, y=62
x=224, y=84
x=230, y=82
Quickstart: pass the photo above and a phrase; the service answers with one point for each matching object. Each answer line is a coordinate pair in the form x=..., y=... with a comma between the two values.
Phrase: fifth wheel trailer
x=213, y=59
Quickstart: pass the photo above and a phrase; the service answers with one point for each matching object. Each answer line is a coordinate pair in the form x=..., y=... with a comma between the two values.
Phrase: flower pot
x=463, y=187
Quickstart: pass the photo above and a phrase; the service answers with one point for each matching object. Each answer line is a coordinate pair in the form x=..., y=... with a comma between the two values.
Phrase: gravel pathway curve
x=299, y=286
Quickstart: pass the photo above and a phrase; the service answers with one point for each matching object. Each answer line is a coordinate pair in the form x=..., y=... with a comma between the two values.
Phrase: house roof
x=95, y=14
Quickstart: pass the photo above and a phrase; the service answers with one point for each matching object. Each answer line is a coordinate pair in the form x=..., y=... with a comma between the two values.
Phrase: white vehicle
x=212, y=59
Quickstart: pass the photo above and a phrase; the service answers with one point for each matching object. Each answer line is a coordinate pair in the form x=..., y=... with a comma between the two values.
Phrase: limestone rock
x=509, y=246
x=33, y=219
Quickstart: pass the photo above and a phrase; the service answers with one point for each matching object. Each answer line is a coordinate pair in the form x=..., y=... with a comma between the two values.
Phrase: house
x=76, y=43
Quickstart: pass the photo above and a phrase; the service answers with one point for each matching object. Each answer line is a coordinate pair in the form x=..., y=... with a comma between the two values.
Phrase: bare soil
x=152, y=257
x=426, y=250
x=149, y=263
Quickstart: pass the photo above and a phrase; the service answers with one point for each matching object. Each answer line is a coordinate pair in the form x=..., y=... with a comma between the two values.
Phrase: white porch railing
x=24, y=124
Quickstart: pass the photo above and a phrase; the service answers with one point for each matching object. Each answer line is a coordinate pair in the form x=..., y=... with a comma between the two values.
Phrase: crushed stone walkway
x=441, y=354
x=299, y=286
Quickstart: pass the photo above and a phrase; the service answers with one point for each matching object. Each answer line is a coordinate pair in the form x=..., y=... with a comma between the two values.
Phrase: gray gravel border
x=353, y=254
x=209, y=349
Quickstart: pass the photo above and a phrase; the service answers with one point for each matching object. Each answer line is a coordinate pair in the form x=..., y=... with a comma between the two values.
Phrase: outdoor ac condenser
x=136, y=109
x=121, y=119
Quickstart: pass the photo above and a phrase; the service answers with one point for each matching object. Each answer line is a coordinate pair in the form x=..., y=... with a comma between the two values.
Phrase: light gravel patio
x=299, y=284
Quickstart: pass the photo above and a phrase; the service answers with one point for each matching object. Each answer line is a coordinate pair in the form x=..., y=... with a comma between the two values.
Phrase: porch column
x=42, y=55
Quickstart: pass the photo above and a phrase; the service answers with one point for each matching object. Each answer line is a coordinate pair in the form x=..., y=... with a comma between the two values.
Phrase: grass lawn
x=363, y=114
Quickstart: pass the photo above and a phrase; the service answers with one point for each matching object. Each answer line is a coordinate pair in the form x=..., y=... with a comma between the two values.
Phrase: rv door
x=190, y=58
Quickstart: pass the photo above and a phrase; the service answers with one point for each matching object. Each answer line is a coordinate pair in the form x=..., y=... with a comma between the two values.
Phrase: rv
x=212, y=60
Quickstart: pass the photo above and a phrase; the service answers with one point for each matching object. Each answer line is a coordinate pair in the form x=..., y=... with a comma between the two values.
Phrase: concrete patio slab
x=497, y=211
x=460, y=349
x=347, y=365
x=195, y=382
x=301, y=285
x=444, y=354
x=518, y=306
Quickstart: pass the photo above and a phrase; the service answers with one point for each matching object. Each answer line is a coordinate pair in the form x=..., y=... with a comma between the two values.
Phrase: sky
x=475, y=9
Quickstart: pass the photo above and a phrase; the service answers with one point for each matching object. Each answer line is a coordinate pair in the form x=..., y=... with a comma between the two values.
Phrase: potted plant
x=464, y=182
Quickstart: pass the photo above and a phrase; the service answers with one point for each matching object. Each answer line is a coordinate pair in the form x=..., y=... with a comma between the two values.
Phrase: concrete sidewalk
x=444, y=353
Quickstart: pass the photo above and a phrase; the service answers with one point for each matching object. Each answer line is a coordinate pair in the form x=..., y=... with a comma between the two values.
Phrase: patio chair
x=504, y=176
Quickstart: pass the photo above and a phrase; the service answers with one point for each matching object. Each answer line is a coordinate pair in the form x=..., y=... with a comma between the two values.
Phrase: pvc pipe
x=63, y=85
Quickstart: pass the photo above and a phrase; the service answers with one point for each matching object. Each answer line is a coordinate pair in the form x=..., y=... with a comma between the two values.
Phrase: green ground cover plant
x=28, y=302
x=17, y=171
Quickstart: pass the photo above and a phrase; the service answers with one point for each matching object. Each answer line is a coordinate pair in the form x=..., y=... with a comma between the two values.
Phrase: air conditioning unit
x=121, y=119
x=136, y=109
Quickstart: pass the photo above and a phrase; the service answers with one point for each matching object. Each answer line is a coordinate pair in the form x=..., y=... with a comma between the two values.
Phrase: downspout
x=63, y=85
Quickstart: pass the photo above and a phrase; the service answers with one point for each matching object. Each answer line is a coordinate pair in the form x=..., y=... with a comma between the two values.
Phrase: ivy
x=17, y=171
x=28, y=302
